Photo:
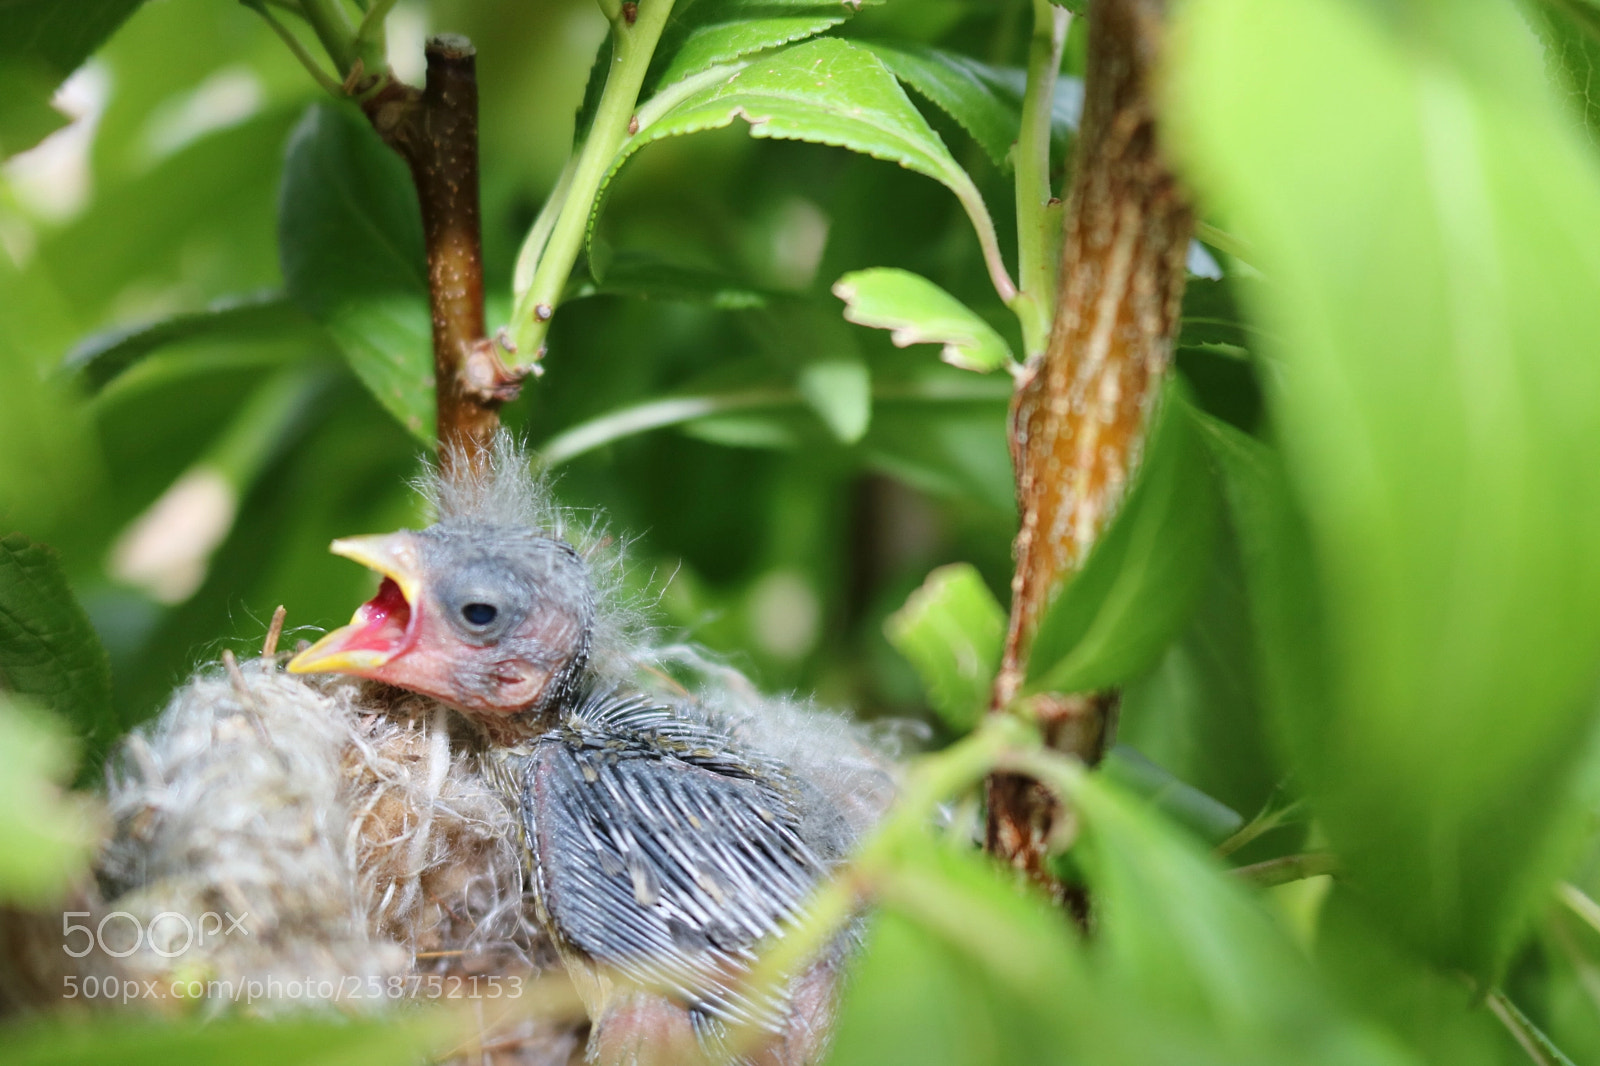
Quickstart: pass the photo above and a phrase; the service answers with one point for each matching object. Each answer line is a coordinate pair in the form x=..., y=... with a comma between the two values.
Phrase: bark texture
x=1080, y=416
x=435, y=130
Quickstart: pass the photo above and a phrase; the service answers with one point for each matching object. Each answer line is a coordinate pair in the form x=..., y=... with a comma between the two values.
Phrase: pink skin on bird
x=397, y=638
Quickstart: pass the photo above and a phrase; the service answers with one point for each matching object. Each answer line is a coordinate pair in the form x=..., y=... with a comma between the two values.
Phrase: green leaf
x=968, y=91
x=840, y=391
x=958, y=453
x=64, y=35
x=986, y=100
x=41, y=42
x=960, y=968
x=1211, y=315
x=47, y=837
x=705, y=33
x=1280, y=580
x=829, y=92
x=103, y=356
x=1442, y=1017
x=1188, y=966
x=48, y=650
x=1200, y=713
x=764, y=392
x=646, y=277
x=194, y=227
x=917, y=311
x=1570, y=31
x=48, y=444
x=350, y=240
x=1118, y=614
x=951, y=630
x=1184, y=965
x=1212, y=821
x=1423, y=209
x=26, y=115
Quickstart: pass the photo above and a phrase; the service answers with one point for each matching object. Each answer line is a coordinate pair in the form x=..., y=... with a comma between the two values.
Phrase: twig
x=1080, y=414
x=269, y=647
x=252, y=709
x=436, y=132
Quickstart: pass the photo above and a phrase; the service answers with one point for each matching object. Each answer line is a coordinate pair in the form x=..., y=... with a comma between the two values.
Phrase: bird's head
x=489, y=618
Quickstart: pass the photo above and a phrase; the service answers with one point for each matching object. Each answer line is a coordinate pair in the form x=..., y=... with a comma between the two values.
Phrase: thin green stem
x=978, y=213
x=1579, y=903
x=950, y=773
x=1036, y=235
x=1057, y=772
x=1287, y=868
x=298, y=50
x=538, y=238
x=1263, y=823
x=1002, y=741
x=333, y=29
x=632, y=48
x=372, y=22
x=981, y=933
x=371, y=47
x=1540, y=1048
x=934, y=781
x=1583, y=967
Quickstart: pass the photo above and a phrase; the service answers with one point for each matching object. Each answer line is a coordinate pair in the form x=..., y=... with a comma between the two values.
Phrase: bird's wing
x=661, y=853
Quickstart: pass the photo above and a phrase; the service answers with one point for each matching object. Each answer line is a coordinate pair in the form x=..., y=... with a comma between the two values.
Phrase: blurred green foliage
x=1353, y=603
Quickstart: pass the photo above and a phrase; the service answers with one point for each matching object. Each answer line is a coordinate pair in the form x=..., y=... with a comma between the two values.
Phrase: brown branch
x=435, y=131
x=1079, y=418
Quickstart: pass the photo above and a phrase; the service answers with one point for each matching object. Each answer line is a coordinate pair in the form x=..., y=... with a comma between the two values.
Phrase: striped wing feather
x=663, y=854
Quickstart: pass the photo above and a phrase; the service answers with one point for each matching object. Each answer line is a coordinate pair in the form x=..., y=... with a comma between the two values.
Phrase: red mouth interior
x=383, y=621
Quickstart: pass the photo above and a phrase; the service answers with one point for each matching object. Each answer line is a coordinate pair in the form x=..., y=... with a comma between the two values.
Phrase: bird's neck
x=508, y=730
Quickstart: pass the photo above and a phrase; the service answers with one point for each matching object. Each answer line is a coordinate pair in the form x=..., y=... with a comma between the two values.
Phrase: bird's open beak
x=385, y=625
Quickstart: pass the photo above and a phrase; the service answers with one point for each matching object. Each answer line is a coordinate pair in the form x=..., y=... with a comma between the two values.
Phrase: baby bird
x=670, y=833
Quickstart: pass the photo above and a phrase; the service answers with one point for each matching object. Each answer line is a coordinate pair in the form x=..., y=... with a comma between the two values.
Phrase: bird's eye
x=479, y=614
